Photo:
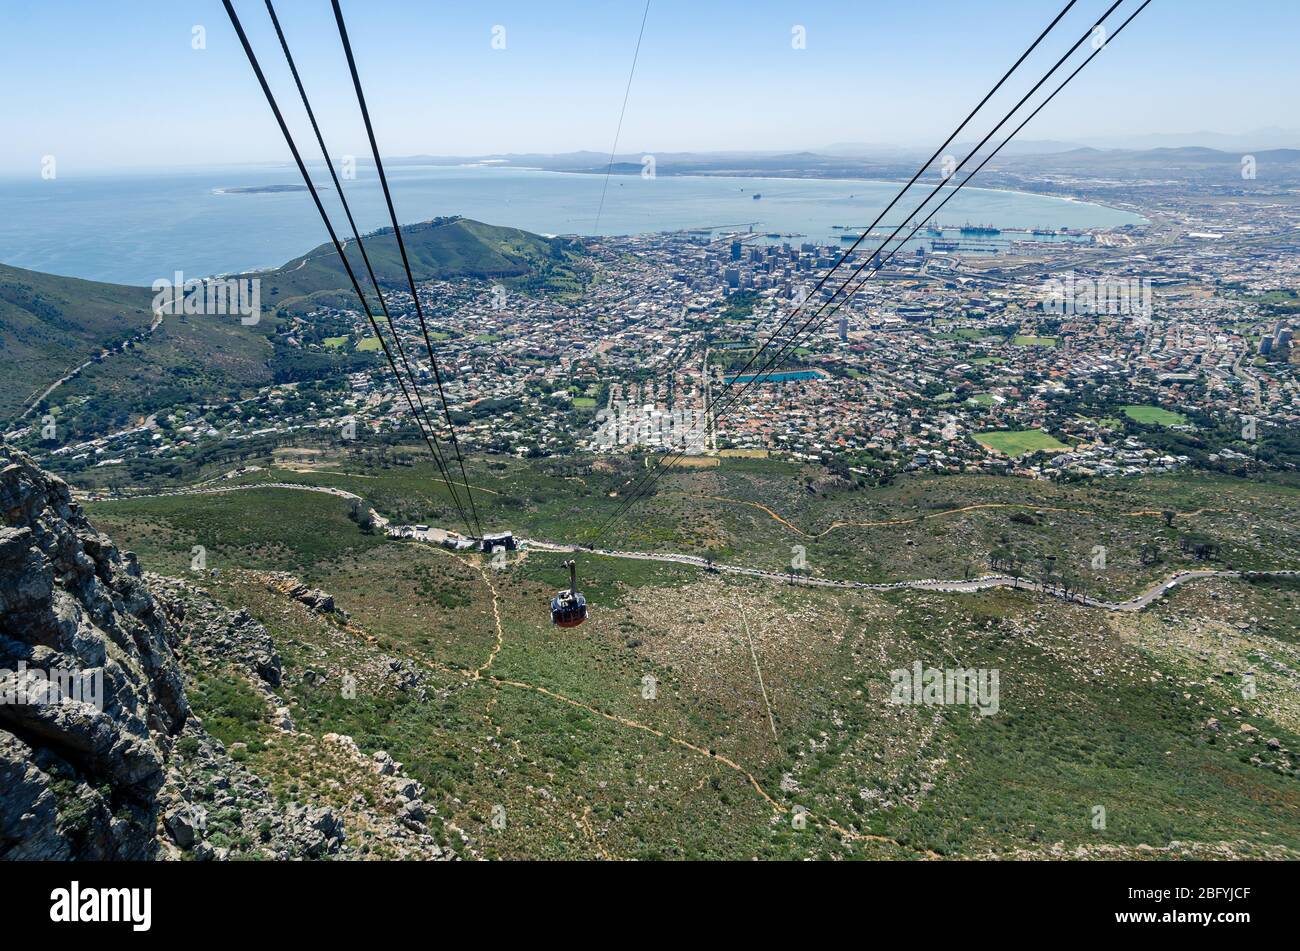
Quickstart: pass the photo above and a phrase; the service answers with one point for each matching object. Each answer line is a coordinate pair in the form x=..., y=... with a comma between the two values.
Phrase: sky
x=113, y=84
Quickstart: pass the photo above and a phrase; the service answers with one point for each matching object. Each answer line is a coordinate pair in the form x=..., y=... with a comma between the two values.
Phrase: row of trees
x=1016, y=564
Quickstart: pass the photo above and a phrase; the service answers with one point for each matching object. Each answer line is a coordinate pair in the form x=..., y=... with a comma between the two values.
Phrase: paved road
x=964, y=586
x=103, y=354
x=951, y=586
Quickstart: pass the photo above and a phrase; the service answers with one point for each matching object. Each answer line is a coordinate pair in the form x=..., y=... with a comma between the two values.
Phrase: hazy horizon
x=875, y=151
x=768, y=77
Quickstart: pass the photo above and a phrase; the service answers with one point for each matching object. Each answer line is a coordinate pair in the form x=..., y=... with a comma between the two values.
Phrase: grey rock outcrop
x=90, y=692
x=215, y=632
x=321, y=602
x=100, y=754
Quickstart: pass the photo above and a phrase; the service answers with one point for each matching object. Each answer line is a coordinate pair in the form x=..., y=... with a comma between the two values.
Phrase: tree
x=363, y=515
x=1200, y=547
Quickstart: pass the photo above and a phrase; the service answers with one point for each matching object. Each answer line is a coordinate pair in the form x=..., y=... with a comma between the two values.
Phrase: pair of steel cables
x=728, y=399
x=414, y=400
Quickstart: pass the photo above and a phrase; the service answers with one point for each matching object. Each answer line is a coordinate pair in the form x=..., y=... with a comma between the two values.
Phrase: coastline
x=741, y=176
x=209, y=233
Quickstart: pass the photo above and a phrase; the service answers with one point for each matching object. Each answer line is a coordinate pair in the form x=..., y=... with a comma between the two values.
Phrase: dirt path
x=483, y=675
x=776, y=516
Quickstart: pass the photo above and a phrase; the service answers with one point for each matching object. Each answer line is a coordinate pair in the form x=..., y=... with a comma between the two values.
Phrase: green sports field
x=1154, y=414
x=1018, y=442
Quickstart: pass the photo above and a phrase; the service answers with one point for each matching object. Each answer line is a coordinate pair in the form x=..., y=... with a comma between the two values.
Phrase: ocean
x=133, y=228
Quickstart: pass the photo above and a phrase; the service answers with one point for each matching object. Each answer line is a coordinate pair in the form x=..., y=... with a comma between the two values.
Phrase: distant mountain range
x=1024, y=167
x=1260, y=139
x=871, y=153
x=862, y=160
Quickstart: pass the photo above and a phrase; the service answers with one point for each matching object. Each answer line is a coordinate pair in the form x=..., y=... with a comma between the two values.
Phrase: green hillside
x=1142, y=713
x=441, y=249
x=51, y=325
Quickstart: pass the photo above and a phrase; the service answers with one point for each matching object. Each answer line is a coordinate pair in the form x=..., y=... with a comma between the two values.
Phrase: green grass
x=256, y=528
x=1024, y=340
x=584, y=402
x=229, y=707
x=964, y=333
x=335, y=343
x=983, y=399
x=1154, y=414
x=1019, y=442
x=368, y=343
x=1067, y=737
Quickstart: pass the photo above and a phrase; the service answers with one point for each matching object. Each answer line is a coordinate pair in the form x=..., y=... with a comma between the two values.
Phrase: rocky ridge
x=79, y=776
x=101, y=755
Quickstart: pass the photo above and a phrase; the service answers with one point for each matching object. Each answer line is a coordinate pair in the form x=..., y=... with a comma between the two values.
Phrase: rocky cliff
x=91, y=696
x=101, y=755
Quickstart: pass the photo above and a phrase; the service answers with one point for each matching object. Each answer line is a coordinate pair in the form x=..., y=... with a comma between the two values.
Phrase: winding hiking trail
x=882, y=523
x=103, y=354
x=796, y=813
x=481, y=675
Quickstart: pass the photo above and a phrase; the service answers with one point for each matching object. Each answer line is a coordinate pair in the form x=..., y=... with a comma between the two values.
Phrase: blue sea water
x=134, y=228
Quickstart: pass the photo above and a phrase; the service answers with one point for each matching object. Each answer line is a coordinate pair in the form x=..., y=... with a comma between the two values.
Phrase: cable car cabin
x=569, y=608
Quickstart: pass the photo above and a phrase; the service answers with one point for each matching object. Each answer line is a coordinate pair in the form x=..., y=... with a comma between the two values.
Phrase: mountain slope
x=116, y=763
x=80, y=779
x=441, y=249
x=98, y=341
x=111, y=360
x=49, y=324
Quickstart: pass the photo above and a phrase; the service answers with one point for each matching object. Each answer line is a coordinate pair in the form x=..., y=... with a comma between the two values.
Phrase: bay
x=133, y=228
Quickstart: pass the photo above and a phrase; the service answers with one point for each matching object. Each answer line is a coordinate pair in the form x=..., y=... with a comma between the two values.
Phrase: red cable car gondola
x=569, y=608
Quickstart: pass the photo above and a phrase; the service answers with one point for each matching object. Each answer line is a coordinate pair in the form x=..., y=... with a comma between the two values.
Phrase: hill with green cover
x=441, y=249
x=711, y=715
x=49, y=324
x=99, y=343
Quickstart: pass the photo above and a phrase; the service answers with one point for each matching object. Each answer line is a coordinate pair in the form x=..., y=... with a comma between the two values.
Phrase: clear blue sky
x=113, y=83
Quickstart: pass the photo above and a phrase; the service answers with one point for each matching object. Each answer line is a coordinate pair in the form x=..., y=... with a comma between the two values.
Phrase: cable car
x=569, y=608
